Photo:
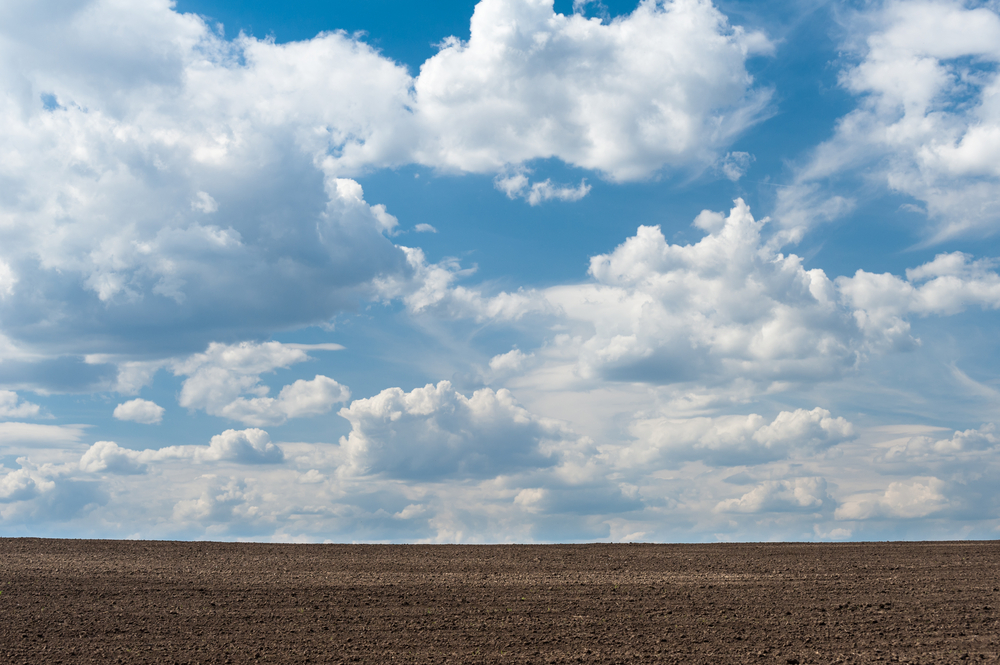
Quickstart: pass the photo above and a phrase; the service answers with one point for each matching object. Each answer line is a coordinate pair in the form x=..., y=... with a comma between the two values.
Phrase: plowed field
x=75, y=601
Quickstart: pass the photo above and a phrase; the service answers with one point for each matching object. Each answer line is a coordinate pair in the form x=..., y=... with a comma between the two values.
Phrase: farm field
x=88, y=601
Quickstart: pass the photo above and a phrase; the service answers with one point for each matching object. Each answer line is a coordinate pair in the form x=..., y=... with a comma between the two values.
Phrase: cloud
x=435, y=432
x=920, y=448
x=511, y=363
x=733, y=440
x=517, y=185
x=777, y=496
x=222, y=504
x=431, y=289
x=230, y=161
x=725, y=307
x=7, y=279
x=140, y=411
x=219, y=377
x=621, y=98
x=38, y=494
x=947, y=285
x=212, y=152
x=204, y=202
x=248, y=446
x=927, y=124
x=106, y=456
x=12, y=407
x=905, y=499
x=17, y=486
x=730, y=307
x=735, y=165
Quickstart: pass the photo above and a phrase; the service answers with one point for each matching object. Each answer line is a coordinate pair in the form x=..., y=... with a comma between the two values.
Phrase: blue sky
x=507, y=271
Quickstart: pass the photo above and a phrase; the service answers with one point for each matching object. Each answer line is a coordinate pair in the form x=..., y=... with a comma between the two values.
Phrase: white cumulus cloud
x=730, y=307
x=11, y=406
x=248, y=446
x=621, y=98
x=140, y=411
x=727, y=306
x=211, y=151
x=907, y=499
x=220, y=379
x=733, y=440
x=435, y=432
x=800, y=494
x=107, y=456
x=17, y=486
x=922, y=448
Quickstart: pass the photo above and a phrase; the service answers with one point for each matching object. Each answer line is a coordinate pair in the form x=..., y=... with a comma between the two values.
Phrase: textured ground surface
x=74, y=601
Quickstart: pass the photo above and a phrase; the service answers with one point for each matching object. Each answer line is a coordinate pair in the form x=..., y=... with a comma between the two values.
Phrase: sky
x=506, y=271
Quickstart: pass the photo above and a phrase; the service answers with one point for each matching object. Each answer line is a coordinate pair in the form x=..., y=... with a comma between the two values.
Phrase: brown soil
x=75, y=601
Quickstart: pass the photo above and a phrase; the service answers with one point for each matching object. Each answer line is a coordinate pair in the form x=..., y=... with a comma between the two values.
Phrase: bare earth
x=85, y=601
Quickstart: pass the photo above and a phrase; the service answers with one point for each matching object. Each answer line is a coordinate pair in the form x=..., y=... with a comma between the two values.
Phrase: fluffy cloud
x=106, y=456
x=517, y=185
x=730, y=307
x=947, y=285
x=249, y=446
x=800, y=494
x=907, y=499
x=434, y=432
x=725, y=306
x=140, y=411
x=168, y=186
x=733, y=440
x=13, y=407
x=37, y=435
x=919, y=448
x=909, y=132
x=513, y=362
x=17, y=486
x=431, y=288
x=622, y=98
x=219, y=377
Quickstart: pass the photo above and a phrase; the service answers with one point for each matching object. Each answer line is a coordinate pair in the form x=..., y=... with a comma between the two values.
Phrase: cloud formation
x=140, y=411
x=905, y=499
x=517, y=185
x=924, y=448
x=11, y=406
x=219, y=378
x=730, y=307
x=620, y=98
x=249, y=446
x=927, y=122
x=777, y=496
x=435, y=432
x=177, y=188
x=735, y=440
x=169, y=182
